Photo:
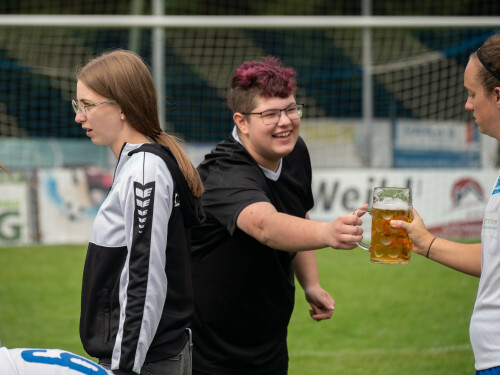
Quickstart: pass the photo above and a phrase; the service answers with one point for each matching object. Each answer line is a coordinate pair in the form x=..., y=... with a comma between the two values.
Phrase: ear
x=497, y=95
x=241, y=122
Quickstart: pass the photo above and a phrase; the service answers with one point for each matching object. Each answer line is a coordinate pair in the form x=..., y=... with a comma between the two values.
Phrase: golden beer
x=388, y=244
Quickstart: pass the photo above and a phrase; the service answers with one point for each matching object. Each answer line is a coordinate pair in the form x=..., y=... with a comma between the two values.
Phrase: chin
x=480, y=129
x=97, y=142
x=284, y=153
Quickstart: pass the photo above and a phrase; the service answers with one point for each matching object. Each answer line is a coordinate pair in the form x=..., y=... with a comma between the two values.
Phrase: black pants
x=181, y=364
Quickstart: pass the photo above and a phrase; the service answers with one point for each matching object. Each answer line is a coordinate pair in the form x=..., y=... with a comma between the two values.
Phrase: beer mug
x=387, y=244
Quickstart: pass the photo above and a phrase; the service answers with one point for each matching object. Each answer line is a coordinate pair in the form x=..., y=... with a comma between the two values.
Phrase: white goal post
x=254, y=22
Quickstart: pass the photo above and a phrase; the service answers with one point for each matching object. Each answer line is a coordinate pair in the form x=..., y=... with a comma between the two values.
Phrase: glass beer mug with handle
x=387, y=244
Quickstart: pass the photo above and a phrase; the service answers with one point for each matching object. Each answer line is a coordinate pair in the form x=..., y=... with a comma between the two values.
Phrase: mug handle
x=366, y=241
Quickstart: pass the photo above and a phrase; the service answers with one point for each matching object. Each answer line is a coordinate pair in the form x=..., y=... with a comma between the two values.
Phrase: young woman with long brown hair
x=137, y=301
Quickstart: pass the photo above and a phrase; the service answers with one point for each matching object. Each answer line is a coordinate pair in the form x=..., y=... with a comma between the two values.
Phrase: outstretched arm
x=290, y=233
x=465, y=258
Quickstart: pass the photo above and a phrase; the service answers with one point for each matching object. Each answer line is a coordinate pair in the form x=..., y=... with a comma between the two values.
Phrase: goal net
x=418, y=118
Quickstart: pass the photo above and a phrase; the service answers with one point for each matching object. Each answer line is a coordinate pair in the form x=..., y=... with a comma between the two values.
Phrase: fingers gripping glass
x=272, y=116
x=77, y=106
x=387, y=244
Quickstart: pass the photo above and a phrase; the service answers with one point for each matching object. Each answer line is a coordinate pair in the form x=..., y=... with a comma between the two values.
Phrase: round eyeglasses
x=272, y=116
x=77, y=106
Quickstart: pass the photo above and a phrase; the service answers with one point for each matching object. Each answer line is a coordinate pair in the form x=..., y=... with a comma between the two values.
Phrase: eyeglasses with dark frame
x=272, y=116
x=77, y=106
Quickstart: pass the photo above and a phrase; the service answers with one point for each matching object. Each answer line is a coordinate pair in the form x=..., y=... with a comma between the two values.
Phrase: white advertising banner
x=68, y=200
x=451, y=202
x=14, y=208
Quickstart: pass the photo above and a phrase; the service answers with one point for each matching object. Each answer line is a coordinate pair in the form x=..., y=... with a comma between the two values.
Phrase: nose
x=468, y=105
x=79, y=117
x=284, y=120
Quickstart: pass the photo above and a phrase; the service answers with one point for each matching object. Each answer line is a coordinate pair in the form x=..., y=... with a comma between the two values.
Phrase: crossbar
x=251, y=22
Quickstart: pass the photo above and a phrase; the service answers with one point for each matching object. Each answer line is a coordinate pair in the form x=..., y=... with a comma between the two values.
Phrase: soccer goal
x=382, y=84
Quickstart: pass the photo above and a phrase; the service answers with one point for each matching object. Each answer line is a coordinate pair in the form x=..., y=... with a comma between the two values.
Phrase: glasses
x=272, y=116
x=77, y=106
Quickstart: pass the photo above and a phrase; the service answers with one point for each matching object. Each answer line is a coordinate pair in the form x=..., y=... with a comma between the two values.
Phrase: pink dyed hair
x=268, y=78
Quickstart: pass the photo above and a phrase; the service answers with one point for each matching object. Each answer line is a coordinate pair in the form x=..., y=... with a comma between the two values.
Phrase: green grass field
x=389, y=319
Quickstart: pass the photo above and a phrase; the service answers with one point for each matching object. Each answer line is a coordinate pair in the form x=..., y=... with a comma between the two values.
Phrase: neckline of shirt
x=267, y=172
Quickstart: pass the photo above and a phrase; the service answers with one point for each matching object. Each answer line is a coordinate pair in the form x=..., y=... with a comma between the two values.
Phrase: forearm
x=465, y=258
x=306, y=269
x=290, y=233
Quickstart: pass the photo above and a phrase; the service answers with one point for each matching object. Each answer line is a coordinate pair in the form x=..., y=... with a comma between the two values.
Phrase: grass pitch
x=389, y=319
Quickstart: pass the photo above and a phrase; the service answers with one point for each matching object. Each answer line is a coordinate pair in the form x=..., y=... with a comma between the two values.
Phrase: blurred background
x=384, y=104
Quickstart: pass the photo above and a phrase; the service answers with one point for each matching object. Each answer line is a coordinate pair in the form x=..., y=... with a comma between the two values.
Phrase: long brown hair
x=122, y=76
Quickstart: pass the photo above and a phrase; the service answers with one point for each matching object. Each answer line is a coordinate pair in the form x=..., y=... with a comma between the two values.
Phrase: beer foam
x=389, y=203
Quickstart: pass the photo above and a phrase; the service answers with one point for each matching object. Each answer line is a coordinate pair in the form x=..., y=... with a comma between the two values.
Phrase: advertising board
x=450, y=202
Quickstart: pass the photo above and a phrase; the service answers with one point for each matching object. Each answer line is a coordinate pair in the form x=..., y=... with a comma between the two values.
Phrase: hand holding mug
x=417, y=231
x=387, y=244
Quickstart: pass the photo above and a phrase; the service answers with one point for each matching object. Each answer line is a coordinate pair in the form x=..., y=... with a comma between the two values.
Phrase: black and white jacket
x=137, y=297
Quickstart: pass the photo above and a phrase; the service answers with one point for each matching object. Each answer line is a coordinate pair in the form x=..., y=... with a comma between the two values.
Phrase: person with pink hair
x=257, y=234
